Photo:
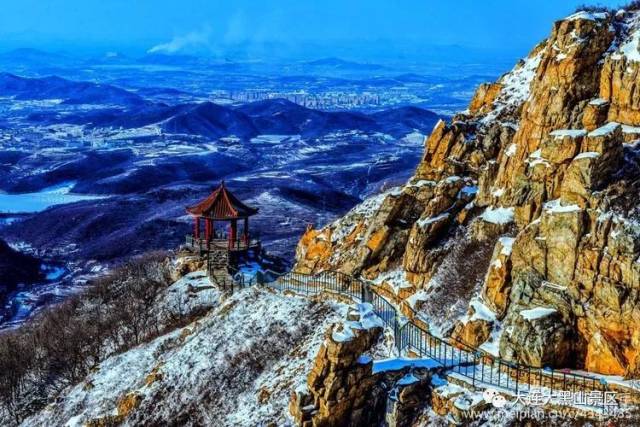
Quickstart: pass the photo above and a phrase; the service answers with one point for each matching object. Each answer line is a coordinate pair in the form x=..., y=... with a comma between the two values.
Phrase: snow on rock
x=511, y=150
x=516, y=87
x=421, y=183
x=395, y=278
x=537, y=313
x=571, y=133
x=408, y=379
x=536, y=158
x=498, y=215
x=587, y=155
x=589, y=16
x=191, y=292
x=343, y=334
x=448, y=389
x=367, y=320
x=492, y=345
x=605, y=130
x=417, y=297
x=555, y=207
x=236, y=366
x=480, y=312
x=507, y=245
x=468, y=191
x=468, y=401
x=629, y=49
x=598, y=101
x=425, y=222
x=630, y=129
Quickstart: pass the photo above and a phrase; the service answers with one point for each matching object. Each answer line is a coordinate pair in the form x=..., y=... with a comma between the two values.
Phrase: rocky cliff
x=520, y=230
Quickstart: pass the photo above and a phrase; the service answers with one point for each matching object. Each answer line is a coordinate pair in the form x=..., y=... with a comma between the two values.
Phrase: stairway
x=218, y=259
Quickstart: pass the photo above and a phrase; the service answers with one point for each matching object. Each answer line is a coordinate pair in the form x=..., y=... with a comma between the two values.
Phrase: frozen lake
x=36, y=202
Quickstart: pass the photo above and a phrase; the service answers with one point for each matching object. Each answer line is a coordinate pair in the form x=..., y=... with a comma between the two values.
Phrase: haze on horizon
x=358, y=29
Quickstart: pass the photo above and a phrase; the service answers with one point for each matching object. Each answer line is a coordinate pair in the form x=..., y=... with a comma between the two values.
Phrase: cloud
x=193, y=40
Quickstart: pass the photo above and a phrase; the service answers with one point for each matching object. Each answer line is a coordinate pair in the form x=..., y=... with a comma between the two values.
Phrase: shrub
x=634, y=5
x=59, y=346
x=593, y=8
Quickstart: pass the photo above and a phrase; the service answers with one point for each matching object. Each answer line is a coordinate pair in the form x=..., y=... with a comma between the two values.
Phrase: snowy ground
x=236, y=366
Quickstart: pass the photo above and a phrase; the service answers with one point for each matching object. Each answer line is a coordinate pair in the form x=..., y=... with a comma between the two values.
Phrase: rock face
x=342, y=389
x=546, y=162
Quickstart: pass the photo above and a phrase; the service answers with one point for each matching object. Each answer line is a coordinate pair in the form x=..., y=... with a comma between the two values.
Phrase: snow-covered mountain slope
x=236, y=366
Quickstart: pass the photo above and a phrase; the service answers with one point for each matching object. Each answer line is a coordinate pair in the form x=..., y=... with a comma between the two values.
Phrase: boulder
x=561, y=227
x=536, y=336
x=497, y=282
x=562, y=145
x=340, y=385
x=595, y=114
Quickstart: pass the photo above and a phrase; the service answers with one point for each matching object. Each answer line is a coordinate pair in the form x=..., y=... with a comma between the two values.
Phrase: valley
x=92, y=173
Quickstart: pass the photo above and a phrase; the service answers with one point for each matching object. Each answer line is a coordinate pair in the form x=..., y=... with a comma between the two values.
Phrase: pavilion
x=221, y=206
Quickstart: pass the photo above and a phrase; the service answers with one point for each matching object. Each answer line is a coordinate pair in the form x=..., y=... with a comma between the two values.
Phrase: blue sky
x=186, y=26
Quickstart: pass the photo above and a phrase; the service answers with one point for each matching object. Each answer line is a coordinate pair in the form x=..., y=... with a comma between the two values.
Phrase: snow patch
x=498, y=215
x=587, y=155
x=588, y=16
x=507, y=245
x=571, y=133
x=605, y=130
x=423, y=223
x=629, y=49
x=516, y=87
x=555, y=207
x=598, y=102
x=537, y=313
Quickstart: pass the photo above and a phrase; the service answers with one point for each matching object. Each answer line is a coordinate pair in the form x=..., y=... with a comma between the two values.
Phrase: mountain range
x=125, y=109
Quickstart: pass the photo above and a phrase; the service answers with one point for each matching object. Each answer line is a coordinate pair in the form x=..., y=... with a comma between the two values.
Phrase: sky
x=215, y=26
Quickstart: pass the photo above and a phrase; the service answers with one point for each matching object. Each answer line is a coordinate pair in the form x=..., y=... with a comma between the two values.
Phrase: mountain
x=210, y=120
x=280, y=116
x=32, y=59
x=398, y=120
x=344, y=65
x=70, y=92
x=518, y=236
x=502, y=275
x=268, y=117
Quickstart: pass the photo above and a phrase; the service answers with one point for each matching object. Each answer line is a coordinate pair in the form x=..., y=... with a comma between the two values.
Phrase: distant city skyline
x=372, y=30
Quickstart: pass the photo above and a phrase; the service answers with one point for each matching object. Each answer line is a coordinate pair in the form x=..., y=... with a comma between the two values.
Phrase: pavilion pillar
x=196, y=227
x=207, y=230
x=234, y=232
x=246, y=230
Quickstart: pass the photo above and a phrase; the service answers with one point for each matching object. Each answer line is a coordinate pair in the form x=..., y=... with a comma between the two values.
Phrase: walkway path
x=470, y=364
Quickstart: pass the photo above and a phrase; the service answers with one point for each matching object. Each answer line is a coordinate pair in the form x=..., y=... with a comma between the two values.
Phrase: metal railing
x=237, y=244
x=480, y=367
x=234, y=281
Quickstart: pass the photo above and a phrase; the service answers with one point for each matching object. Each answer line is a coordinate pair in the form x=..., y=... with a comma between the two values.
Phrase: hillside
x=236, y=365
x=66, y=91
x=207, y=119
x=16, y=268
x=523, y=207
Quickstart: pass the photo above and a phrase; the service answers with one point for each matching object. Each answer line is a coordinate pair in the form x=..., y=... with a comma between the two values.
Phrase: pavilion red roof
x=222, y=204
